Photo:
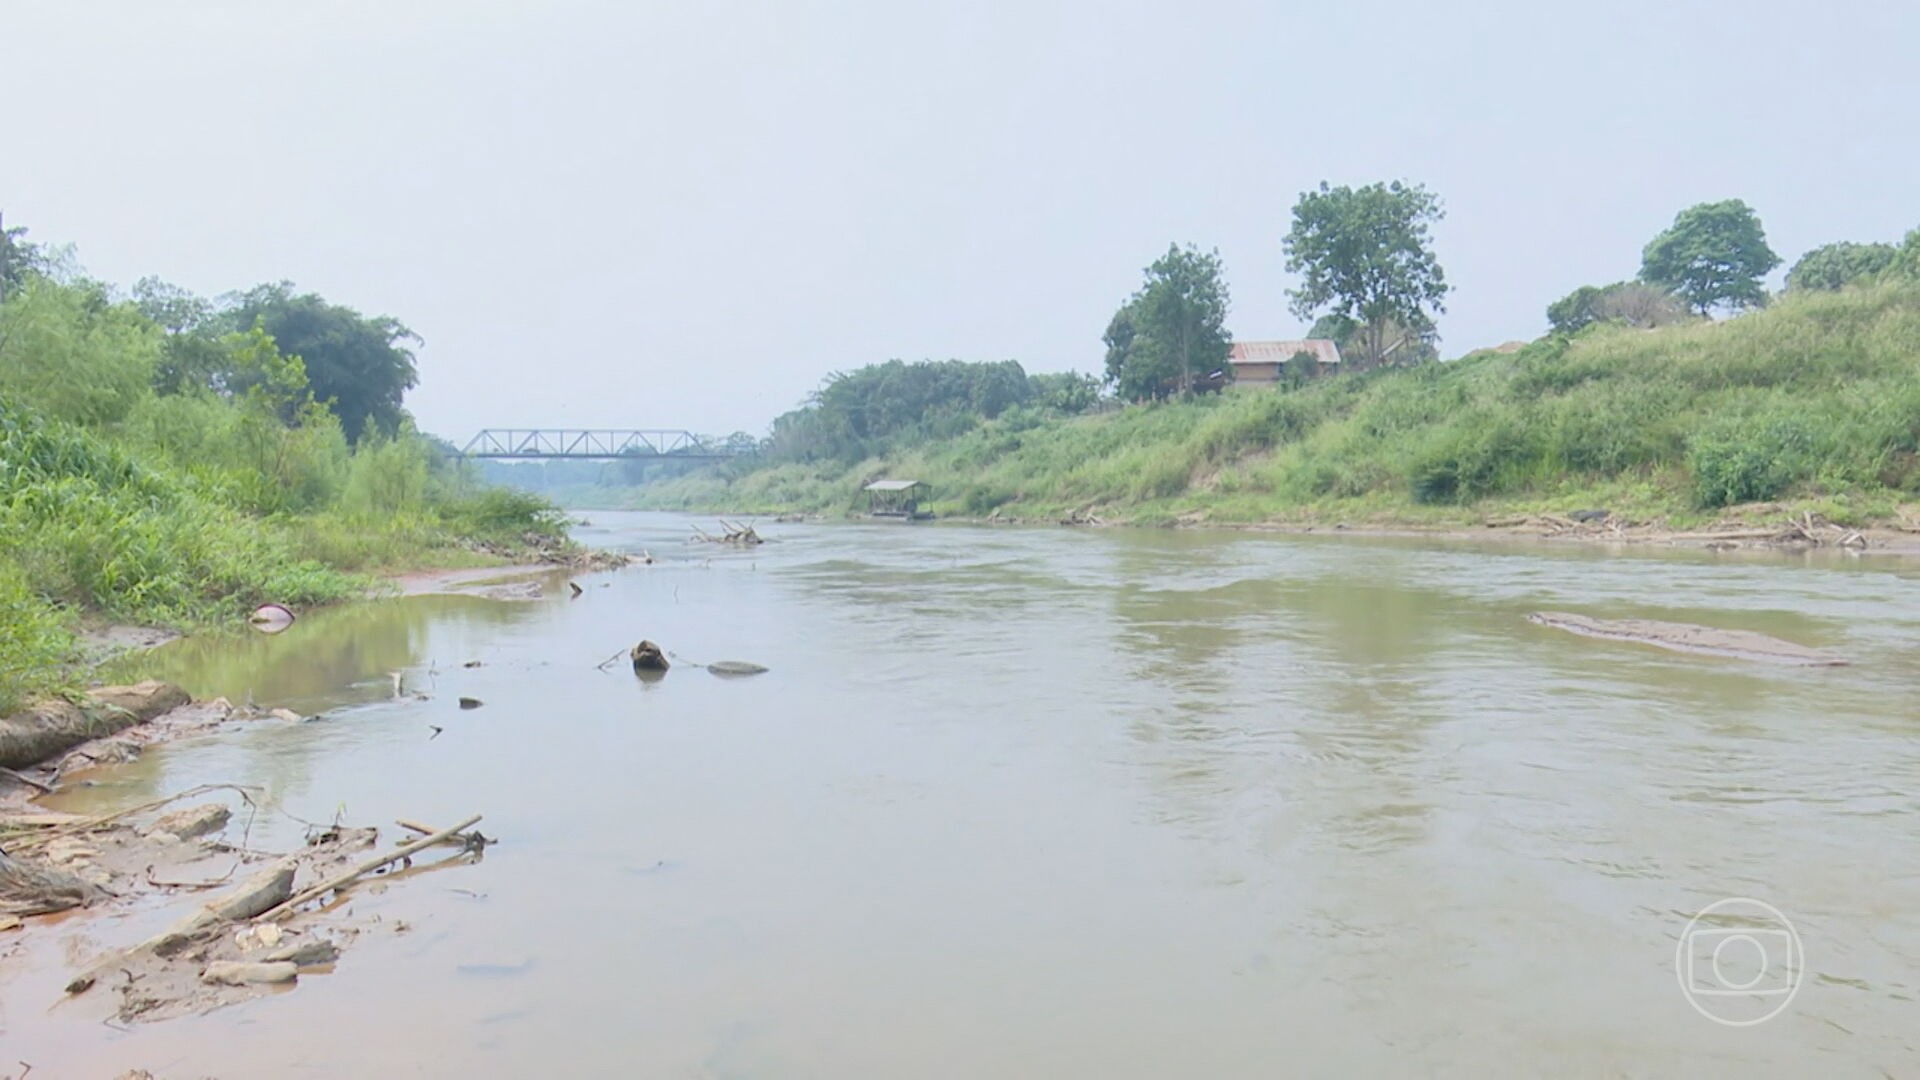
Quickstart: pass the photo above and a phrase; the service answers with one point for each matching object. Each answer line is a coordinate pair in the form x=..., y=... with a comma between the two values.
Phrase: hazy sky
x=685, y=214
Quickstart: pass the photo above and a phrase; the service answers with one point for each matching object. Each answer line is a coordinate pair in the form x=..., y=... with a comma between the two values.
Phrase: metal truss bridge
x=594, y=443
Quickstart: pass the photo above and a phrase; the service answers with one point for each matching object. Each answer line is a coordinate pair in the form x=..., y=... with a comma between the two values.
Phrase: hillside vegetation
x=1815, y=398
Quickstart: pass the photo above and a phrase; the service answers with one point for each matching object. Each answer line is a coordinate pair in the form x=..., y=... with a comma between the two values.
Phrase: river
x=1064, y=803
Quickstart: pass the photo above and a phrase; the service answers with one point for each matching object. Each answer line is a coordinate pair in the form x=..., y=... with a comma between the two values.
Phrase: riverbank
x=1806, y=405
x=275, y=916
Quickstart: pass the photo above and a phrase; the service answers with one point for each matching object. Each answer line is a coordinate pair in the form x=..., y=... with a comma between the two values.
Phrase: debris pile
x=262, y=932
x=730, y=533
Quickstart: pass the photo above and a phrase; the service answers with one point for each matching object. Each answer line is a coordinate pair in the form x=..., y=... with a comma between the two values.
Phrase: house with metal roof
x=1261, y=363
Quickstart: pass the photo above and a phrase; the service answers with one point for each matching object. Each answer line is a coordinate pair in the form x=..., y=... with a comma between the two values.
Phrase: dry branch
x=369, y=866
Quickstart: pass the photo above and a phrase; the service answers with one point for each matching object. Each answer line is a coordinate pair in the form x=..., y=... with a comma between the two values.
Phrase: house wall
x=1255, y=373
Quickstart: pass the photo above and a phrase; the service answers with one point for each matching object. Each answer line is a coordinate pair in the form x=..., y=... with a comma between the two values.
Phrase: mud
x=194, y=857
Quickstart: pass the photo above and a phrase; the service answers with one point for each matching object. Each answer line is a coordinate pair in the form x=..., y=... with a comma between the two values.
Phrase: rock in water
x=647, y=656
x=735, y=667
x=471, y=703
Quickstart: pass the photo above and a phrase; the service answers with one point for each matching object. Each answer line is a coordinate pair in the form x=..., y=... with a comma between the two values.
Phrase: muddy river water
x=1106, y=803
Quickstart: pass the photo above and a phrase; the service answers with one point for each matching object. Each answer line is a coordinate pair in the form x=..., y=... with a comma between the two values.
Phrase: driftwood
x=348, y=877
x=471, y=841
x=47, y=827
x=731, y=533
x=258, y=893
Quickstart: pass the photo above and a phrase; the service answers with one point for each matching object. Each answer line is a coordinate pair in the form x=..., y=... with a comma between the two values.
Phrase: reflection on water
x=341, y=655
x=1079, y=803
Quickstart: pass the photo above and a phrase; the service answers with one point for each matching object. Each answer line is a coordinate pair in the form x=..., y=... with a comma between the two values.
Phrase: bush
x=1748, y=460
x=93, y=529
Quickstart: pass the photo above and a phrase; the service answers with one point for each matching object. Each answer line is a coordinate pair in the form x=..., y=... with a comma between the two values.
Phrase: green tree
x=1906, y=263
x=360, y=367
x=18, y=260
x=193, y=353
x=1173, y=331
x=1366, y=254
x=1066, y=392
x=1835, y=266
x=1713, y=255
x=1119, y=339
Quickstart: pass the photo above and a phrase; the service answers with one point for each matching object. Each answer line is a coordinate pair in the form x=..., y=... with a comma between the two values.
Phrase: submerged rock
x=647, y=656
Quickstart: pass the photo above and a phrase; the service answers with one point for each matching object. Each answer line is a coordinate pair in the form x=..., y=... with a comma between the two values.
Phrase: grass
x=1815, y=400
x=90, y=527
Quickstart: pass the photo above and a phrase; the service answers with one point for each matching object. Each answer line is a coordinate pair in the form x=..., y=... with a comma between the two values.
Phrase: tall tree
x=360, y=367
x=1366, y=254
x=1713, y=255
x=1173, y=331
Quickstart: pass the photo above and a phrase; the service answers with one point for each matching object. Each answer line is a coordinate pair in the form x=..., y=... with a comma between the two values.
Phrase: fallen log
x=348, y=877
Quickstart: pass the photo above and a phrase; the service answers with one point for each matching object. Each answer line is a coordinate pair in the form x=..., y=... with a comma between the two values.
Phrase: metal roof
x=1279, y=352
x=892, y=485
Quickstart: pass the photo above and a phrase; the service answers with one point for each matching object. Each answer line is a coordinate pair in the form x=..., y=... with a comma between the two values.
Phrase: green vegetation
x=1628, y=303
x=1713, y=255
x=1171, y=334
x=1364, y=256
x=1815, y=398
x=880, y=407
x=164, y=460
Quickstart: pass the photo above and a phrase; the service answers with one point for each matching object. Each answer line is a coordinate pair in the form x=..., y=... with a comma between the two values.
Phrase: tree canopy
x=360, y=367
x=871, y=409
x=19, y=258
x=1713, y=255
x=1835, y=266
x=1172, y=332
x=1366, y=254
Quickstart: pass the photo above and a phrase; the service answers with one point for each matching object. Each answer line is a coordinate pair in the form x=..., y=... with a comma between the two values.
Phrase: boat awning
x=893, y=485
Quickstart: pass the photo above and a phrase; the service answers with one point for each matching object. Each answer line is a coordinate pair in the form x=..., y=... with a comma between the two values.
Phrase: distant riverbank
x=1804, y=408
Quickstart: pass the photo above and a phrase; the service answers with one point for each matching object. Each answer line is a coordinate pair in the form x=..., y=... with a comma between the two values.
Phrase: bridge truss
x=593, y=443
